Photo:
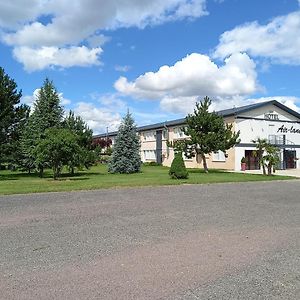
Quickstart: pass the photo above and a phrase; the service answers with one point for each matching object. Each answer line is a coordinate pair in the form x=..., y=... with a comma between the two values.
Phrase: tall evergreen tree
x=207, y=133
x=126, y=151
x=47, y=113
x=12, y=117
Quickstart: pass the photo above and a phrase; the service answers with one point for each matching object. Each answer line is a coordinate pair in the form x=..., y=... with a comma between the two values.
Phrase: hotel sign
x=291, y=129
x=271, y=116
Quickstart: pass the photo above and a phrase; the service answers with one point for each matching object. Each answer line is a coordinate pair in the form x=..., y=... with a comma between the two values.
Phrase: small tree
x=126, y=152
x=58, y=148
x=271, y=158
x=207, y=132
x=178, y=169
x=261, y=145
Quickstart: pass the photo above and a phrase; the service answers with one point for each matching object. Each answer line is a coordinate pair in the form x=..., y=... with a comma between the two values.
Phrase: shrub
x=178, y=169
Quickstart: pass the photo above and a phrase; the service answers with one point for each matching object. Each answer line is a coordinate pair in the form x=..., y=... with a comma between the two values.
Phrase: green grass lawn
x=98, y=178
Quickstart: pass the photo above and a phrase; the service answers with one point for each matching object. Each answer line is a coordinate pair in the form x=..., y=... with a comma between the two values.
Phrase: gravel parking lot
x=218, y=241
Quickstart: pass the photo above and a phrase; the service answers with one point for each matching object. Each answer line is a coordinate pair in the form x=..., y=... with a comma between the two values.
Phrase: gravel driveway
x=219, y=241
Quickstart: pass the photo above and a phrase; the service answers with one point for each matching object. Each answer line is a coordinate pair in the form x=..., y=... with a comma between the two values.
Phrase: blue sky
x=155, y=58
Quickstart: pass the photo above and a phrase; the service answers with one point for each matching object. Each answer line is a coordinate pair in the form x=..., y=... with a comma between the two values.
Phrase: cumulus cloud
x=279, y=40
x=289, y=101
x=37, y=25
x=38, y=59
x=194, y=76
x=98, y=118
x=14, y=13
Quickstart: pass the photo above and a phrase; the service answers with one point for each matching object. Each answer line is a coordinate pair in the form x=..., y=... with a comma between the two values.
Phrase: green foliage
x=178, y=169
x=59, y=147
x=243, y=160
x=12, y=118
x=47, y=113
x=84, y=137
x=261, y=145
x=126, y=151
x=271, y=158
x=207, y=132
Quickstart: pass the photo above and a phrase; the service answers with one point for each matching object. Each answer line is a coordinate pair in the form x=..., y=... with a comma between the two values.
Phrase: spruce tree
x=47, y=113
x=207, y=133
x=126, y=151
x=12, y=118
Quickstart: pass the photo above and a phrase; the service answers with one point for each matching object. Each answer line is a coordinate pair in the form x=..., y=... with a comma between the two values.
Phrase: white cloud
x=122, y=68
x=178, y=105
x=279, y=40
x=14, y=13
x=40, y=58
x=290, y=101
x=112, y=101
x=98, y=118
x=71, y=25
x=30, y=99
x=179, y=86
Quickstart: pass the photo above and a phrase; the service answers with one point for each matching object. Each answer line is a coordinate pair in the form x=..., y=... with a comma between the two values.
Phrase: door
x=289, y=158
x=251, y=160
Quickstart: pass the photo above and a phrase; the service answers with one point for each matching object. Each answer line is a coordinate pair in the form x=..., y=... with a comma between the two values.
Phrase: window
x=150, y=154
x=218, y=156
x=149, y=136
x=165, y=134
x=178, y=133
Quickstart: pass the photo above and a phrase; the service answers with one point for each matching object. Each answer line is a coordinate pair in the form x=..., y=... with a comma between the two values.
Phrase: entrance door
x=289, y=159
x=251, y=160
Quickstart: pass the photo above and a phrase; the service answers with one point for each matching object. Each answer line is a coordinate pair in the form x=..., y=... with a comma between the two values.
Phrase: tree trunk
x=264, y=169
x=41, y=171
x=269, y=169
x=204, y=163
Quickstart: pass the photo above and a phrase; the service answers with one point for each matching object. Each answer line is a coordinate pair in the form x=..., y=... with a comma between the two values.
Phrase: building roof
x=224, y=113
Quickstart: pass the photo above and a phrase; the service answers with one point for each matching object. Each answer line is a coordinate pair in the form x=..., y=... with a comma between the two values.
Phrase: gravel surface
x=218, y=241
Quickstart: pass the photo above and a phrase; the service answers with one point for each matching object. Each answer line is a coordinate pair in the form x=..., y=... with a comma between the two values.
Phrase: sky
x=154, y=58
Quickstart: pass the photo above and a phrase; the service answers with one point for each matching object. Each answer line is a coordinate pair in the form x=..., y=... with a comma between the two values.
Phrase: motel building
x=270, y=120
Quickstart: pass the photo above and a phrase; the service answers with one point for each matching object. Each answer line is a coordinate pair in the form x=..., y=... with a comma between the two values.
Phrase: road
x=218, y=241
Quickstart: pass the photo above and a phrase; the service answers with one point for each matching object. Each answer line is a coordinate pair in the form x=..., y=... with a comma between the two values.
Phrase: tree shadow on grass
x=47, y=175
x=210, y=171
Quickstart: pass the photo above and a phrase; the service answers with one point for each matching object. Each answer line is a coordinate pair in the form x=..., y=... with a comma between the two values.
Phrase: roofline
x=224, y=113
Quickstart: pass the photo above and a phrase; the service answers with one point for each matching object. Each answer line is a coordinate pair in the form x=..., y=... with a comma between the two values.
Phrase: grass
x=98, y=178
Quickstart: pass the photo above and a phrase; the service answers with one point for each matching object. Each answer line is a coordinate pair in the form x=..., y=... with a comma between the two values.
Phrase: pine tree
x=12, y=118
x=207, y=133
x=126, y=151
x=47, y=113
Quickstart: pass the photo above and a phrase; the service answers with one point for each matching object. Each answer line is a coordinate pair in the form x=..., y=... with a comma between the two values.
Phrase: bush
x=178, y=169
